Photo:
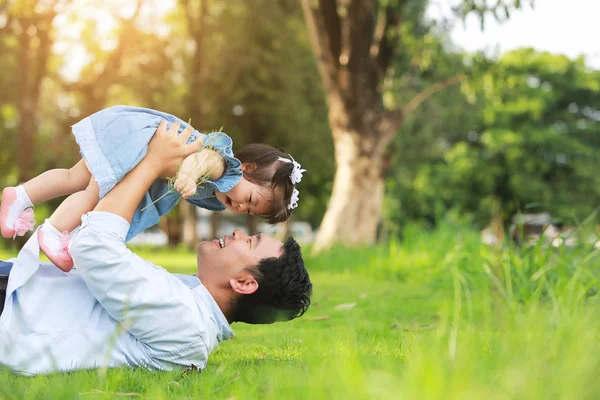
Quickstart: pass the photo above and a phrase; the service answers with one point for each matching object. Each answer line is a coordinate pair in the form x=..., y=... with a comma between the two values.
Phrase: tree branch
x=114, y=60
x=196, y=72
x=138, y=8
x=188, y=15
x=384, y=47
x=357, y=36
x=44, y=28
x=429, y=91
x=393, y=119
x=332, y=25
x=96, y=88
x=391, y=122
x=358, y=30
x=380, y=30
x=326, y=62
x=43, y=53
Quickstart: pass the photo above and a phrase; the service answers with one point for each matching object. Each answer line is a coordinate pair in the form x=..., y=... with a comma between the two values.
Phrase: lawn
x=433, y=315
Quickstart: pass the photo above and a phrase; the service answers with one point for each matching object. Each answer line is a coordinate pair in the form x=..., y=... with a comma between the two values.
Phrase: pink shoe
x=55, y=246
x=15, y=219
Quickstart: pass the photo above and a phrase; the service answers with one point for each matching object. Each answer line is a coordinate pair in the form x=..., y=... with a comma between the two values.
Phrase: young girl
x=260, y=181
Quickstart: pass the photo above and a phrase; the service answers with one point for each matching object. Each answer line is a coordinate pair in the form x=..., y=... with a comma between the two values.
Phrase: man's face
x=221, y=259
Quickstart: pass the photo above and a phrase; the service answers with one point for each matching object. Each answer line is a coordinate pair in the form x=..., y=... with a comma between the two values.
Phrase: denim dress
x=114, y=140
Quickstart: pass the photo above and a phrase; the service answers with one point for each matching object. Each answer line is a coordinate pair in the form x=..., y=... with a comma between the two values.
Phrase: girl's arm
x=203, y=165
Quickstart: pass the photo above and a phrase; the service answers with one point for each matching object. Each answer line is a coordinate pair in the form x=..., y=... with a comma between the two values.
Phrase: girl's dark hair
x=270, y=173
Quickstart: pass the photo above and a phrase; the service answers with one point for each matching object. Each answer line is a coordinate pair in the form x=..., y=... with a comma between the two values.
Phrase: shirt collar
x=192, y=281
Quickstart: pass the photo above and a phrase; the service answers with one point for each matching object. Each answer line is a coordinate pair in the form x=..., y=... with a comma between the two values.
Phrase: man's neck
x=222, y=298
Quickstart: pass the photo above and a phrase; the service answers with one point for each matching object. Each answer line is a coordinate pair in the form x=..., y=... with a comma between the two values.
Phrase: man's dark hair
x=271, y=173
x=284, y=289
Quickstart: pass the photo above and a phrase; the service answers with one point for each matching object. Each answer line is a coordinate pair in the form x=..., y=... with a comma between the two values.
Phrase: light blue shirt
x=114, y=140
x=114, y=309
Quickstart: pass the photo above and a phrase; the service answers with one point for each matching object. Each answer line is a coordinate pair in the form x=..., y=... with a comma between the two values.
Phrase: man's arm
x=146, y=300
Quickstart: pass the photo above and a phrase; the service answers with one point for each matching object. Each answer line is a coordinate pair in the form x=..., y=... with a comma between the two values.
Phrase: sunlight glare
x=102, y=18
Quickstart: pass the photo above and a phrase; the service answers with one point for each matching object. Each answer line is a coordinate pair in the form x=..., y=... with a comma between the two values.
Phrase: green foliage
x=522, y=131
x=527, y=134
x=500, y=10
x=256, y=59
x=264, y=88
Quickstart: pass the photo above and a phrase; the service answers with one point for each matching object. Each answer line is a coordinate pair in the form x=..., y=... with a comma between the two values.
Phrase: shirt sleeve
x=210, y=203
x=146, y=300
x=222, y=144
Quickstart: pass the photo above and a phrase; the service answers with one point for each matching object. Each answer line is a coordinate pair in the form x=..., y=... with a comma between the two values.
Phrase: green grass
x=436, y=315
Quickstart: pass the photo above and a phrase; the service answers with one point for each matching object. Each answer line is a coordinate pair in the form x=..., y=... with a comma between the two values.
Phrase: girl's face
x=246, y=198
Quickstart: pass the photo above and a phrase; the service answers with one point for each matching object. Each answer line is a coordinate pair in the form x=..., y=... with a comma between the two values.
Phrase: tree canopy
x=484, y=137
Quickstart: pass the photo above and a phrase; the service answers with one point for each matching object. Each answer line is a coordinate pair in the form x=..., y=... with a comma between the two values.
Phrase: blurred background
x=401, y=110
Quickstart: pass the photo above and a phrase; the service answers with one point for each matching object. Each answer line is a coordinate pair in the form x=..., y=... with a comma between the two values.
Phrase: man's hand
x=167, y=149
x=166, y=152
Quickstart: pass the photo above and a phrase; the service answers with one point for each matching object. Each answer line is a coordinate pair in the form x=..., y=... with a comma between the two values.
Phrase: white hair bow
x=294, y=200
x=295, y=177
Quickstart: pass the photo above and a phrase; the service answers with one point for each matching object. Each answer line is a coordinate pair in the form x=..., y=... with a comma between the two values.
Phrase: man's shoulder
x=191, y=281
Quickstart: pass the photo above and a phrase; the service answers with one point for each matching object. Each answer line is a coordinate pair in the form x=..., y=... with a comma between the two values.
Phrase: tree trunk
x=355, y=42
x=171, y=225
x=33, y=68
x=354, y=209
x=189, y=221
x=252, y=224
x=215, y=224
x=173, y=230
x=196, y=20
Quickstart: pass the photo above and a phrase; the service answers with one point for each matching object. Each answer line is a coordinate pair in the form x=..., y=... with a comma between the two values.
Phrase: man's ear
x=244, y=284
x=248, y=167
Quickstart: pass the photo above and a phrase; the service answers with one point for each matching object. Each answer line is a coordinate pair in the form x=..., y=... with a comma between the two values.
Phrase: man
x=117, y=309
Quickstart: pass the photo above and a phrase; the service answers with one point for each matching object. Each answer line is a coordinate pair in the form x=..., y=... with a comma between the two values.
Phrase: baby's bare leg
x=68, y=215
x=58, y=182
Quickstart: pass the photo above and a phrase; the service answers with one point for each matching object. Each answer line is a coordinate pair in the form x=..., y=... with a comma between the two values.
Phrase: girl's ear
x=248, y=167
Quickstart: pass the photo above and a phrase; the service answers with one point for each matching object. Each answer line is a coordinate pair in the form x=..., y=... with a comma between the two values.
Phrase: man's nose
x=237, y=234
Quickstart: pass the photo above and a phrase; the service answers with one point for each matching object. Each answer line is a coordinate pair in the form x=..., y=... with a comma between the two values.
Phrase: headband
x=295, y=177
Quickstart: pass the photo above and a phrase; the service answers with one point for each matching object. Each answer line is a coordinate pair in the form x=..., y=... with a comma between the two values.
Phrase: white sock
x=50, y=230
x=52, y=241
x=21, y=203
x=22, y=196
